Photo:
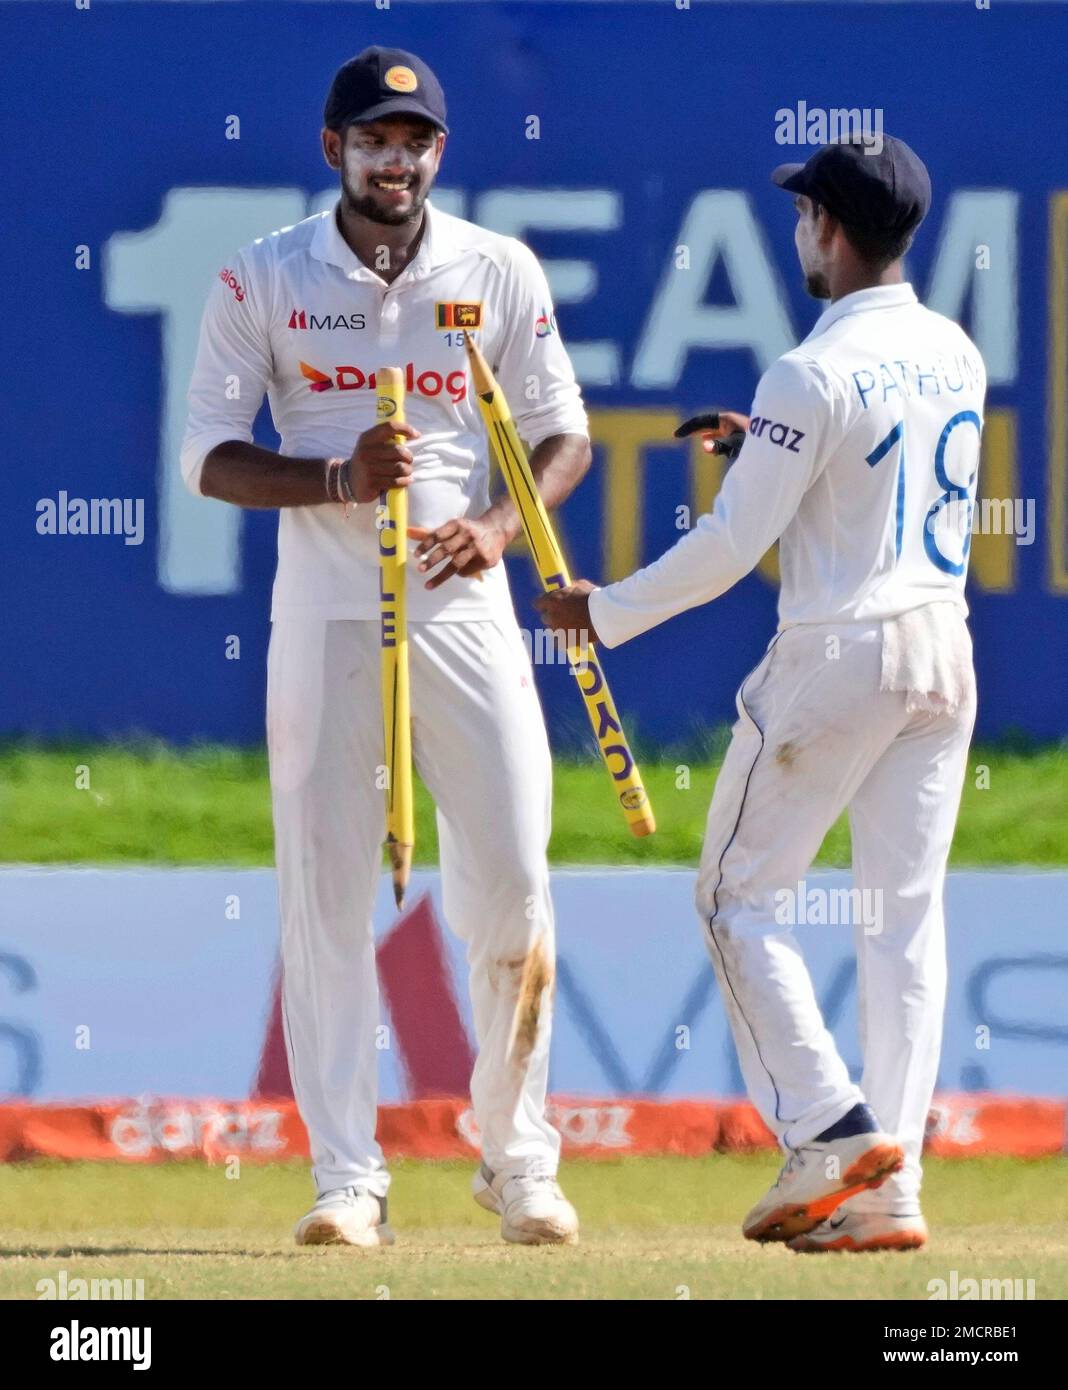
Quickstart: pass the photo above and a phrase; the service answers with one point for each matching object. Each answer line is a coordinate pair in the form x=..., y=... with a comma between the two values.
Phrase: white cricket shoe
x=533, y=1210
x=345, y=1216
x=810, y=1186
x=861, y=1231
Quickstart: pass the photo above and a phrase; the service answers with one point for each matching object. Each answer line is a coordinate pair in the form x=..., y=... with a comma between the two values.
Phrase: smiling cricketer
x=860, y=458
x=305, y=315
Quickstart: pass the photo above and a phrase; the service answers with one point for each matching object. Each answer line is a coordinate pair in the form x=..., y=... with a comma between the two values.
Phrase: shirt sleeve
x=233, y=367
x=785, y=450
x=532, y=366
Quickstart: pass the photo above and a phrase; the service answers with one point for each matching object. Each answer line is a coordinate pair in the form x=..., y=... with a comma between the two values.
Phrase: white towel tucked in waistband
x=927, y=652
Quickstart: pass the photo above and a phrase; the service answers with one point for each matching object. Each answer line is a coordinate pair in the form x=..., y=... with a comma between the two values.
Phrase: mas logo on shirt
x=304, y=319
x=401, y=79
x=544, y=324
x=458, y=315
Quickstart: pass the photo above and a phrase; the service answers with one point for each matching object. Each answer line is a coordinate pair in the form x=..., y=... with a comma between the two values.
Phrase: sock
x=860, y=1120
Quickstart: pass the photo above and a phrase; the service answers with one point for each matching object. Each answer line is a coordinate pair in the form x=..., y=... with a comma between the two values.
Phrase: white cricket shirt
x=861, y=460
x=297, y=315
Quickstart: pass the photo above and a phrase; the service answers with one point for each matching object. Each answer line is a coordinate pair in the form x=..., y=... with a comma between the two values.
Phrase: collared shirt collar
x=860, y=301
x=330, y=246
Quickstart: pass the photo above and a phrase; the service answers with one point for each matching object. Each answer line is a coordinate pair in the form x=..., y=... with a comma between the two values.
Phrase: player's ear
x=826, y=225
x=331, y=146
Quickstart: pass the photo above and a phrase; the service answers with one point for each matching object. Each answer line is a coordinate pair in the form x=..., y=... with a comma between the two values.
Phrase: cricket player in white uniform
x=306, y=315
x=860, y=458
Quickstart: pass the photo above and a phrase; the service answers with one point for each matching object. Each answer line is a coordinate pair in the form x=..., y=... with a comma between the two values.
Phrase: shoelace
x=795, y=1161
x=529, y=1182
x=343, y=1194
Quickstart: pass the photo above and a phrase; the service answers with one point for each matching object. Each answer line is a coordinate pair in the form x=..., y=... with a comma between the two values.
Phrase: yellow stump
x=396, y=696
x=548, y=558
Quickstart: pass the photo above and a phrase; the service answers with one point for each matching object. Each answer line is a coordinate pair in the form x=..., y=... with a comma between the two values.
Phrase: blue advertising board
x=183, y=1008
x=630, y=146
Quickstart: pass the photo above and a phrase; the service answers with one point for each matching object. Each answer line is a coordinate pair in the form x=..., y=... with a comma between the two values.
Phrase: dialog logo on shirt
x=319, y=381
x=458, y=315
x=428, y=383
x=784, y=435
x=544, y=324
x=227, y=276
x=303, y=319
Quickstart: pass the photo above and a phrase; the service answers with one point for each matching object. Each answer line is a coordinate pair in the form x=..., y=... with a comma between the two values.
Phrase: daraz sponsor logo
x=427, y=383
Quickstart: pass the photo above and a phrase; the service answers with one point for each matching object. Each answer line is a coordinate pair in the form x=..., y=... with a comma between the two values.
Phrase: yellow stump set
x=552, y=569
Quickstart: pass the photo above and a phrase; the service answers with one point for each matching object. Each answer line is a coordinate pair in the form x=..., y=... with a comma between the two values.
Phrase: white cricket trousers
x=816, y=734
x=480, y=746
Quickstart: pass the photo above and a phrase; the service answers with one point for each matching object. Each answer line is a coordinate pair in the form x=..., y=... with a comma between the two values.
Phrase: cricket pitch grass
x=653, y=1228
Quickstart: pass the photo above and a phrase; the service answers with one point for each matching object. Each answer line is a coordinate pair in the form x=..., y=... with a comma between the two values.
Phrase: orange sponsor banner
x=958, y=1126
x=154, y=1130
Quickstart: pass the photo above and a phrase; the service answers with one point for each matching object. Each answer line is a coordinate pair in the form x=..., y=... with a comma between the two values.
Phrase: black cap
x=884, y=190
x=384, y=82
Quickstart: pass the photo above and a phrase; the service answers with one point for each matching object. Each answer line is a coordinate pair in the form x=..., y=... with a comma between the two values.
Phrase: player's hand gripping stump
x=396, y=705
x=607, y=727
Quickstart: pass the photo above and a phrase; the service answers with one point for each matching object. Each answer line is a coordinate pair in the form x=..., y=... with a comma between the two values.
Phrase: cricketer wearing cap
x=306, y=315
x=860, y=458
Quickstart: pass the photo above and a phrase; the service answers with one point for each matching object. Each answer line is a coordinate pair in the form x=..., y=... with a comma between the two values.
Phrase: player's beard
x=816, y=285
x=366, y=205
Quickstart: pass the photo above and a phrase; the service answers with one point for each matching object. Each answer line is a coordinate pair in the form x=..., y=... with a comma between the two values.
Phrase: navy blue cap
x=384, y=82
x=888, y=190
